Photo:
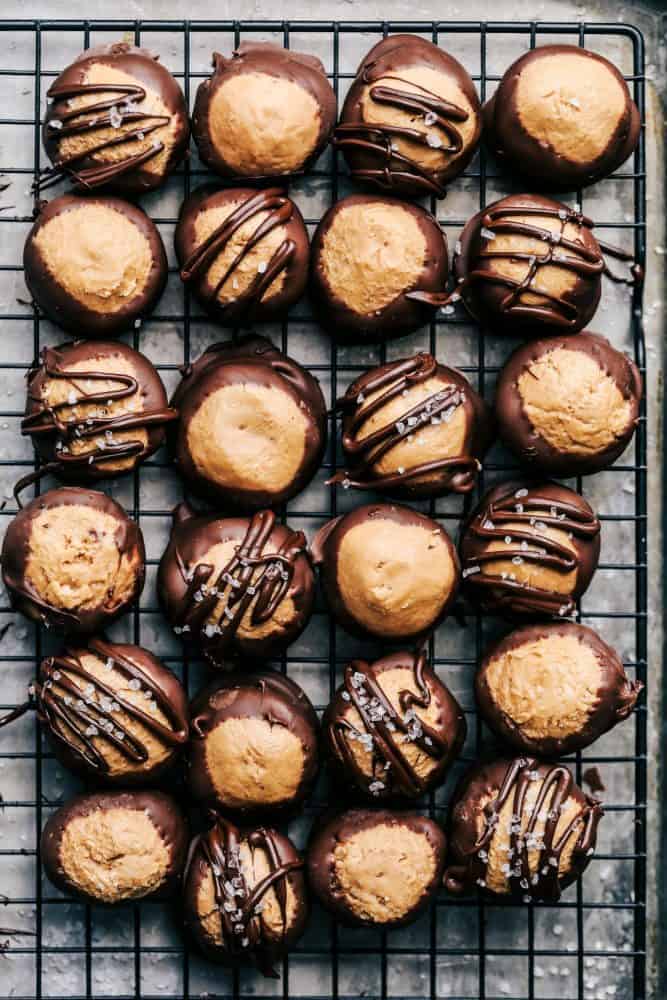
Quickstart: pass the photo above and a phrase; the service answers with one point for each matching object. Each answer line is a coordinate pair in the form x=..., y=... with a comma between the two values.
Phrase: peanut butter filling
x=526, y=571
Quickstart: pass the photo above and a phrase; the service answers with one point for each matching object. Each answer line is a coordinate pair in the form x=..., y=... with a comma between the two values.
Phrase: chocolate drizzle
x=239, y=905
x=44, y=420
x=280, y=209
x=109, y=113
x=236, y=589
x=459, y=471
x=531, y=545
x=544, y=882
x=77, y=714
x=385, y=729
x=585, y=261
x=376, y=138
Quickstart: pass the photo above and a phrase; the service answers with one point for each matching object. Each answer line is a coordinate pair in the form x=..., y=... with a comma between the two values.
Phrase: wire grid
x=461, y=948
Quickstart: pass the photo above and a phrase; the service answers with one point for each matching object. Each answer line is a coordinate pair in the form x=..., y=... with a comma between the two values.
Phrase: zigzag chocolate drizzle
x=77, y=121
x=383, y=725
x=235, y=588
x=79, y=714
x=544, y=882
x=239, y=906
x=46, y=421
x=377, y=137
x=585, y=262
x=277, y=204
x=532, y=545
x=367, y=451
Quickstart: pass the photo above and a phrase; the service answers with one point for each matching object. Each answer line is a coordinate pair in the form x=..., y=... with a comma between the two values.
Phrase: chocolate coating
x=243, y=234
x=61, y=438
x=393, y=742
x=277, y=703
x=614, y=698
x=16, y=554
x=580, y=454
x=267, y=579
x=547, y=528
x=61, y=305
x=537, y=157
x=89, y=718
x=388, y=561
x=508, y=301
x=160, y=809
x=543, y=854
x=374, y=256
x=142, y=138
x=326, y=866
x=271, y=911
x=390, y=154
x=368, y=449
x=251, y=361
x=275, y=64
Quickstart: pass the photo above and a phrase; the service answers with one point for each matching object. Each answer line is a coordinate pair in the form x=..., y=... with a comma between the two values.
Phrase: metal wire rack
x=593, y=944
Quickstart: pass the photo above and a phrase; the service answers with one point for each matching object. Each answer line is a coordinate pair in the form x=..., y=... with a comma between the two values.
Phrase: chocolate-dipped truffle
x=392, y=729
x=368, y=253
x=376, y=868
x=245, y=895
x=527, y=264
x=94, y=264
x=529, y=550
x=111, y=847
x=568, y=405
x=411, y=120
x=117, y=119
x=236, y=585
x=72, y=558
x=94, y=409
x=413, y=428
x=112, y=711
x=562, y=116
x=253, y=425
x=265, y=112
x=519, y=828
x=254, y=744
x=245, y=252
x=553, y=689
x=387, y=571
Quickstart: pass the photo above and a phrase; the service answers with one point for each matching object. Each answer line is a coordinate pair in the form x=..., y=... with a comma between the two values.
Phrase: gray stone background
x=608, y=881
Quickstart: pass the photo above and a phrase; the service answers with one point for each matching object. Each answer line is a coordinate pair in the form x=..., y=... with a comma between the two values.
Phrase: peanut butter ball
x=113, y=712
x=117, y=120
x=413, y=428
x=392, y=729
x=568, y=405
x=386, y=571
x=411, y=120
x=370, y=254
x=244, y=252
x=519, y=827
x=245, y=895
x=254, y=744
x=563, y=117
x=95, y=265
x=236, y=586
x=529, y=265
x=529, y=550
x=112, y=847
x=253, y=425
x=94, y=409
x=553, y=689
x=376, y=868
x=72, y=558
x=265, y=112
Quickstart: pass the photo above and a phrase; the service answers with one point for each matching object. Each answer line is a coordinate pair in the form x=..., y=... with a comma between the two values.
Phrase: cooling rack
x=593, y=943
